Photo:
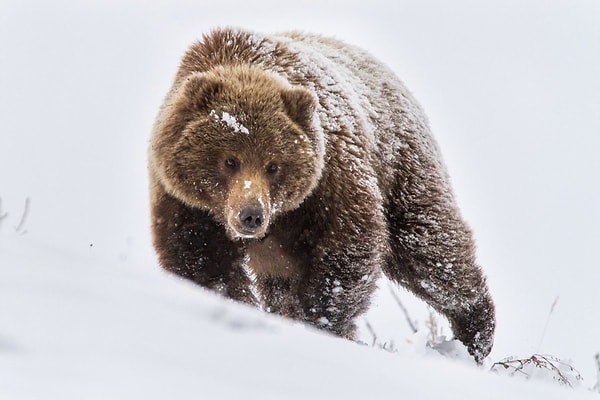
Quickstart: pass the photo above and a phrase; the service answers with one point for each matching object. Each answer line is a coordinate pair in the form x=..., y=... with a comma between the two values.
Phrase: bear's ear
x=300, y=104
x=201, y=88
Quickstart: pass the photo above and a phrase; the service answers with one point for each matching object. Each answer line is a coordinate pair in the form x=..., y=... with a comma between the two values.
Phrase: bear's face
x=240, y=144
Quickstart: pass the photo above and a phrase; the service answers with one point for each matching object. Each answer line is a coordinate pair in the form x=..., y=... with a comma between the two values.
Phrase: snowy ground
x=81, y=326
x=511, y=89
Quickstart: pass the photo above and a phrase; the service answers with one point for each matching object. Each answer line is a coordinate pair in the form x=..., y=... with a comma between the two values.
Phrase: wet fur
x=362, y=189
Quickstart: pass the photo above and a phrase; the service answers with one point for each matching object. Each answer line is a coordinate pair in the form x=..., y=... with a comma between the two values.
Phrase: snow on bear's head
x=240, y=143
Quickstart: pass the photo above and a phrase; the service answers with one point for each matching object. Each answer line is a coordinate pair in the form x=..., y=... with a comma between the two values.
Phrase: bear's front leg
x=279, y=295
x=343, y=239
x=309, y=271
x=191, y=244
x=434, y=257
x=338, y=288
x=330, y=295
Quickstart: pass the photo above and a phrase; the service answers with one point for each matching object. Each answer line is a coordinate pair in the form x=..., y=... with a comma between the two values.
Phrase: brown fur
x=305, y=164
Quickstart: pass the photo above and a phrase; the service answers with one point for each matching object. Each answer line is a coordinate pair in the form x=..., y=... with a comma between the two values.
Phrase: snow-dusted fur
x=335, y=160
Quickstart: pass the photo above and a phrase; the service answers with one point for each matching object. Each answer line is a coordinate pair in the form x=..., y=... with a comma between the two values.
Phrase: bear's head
x=241, y=143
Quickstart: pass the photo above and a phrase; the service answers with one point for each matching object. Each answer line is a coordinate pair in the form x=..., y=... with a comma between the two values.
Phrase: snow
x=230, y=121
x=80, y=325
x=85, y=311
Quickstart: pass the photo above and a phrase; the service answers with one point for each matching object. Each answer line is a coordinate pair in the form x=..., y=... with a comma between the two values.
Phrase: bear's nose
x=251, y=218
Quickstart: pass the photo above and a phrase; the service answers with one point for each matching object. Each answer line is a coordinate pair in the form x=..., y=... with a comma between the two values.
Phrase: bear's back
x=358, y=92
x=336, y=72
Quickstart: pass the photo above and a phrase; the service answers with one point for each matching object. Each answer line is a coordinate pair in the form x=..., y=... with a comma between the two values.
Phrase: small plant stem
x=21, y=225
x=411, y=324
x=546, y=324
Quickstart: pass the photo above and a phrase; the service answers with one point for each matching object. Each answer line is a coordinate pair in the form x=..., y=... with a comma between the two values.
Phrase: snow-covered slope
x=512, y=91
x=77, y=326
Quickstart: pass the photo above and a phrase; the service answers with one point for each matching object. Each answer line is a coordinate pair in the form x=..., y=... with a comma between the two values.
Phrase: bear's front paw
x=475, y=328
x=479, y=346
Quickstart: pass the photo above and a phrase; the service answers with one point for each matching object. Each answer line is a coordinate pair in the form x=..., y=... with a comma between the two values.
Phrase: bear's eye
x=272, y=168
x=232, y=163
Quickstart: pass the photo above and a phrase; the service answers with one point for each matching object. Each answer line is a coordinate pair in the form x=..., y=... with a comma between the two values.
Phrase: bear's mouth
x=241, y=234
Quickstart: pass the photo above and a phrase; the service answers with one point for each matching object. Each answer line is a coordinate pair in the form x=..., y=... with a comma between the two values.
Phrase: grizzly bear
x=287, y=171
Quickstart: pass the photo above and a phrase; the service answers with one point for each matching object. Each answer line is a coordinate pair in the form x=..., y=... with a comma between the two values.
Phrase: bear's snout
x=250, y=222
x=249, y=208
x=252, y=217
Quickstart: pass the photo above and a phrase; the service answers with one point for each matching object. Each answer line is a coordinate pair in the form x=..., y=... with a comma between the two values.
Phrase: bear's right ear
x=200, y=89
x=300, y=104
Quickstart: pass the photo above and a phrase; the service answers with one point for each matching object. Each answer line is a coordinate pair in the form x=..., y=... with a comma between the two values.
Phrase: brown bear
x=287, y=171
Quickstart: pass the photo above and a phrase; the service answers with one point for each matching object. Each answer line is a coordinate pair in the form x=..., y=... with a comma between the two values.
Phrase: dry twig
x=372, y=332
x=547, y=321
x=558, y=369
x=435, y=331
x=376, y=343
x=2, y=215
x=412, y=325
x=20, y=227
x=596, y=387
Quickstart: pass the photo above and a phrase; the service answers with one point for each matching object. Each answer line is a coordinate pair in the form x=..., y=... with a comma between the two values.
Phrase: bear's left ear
x=300, y=104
